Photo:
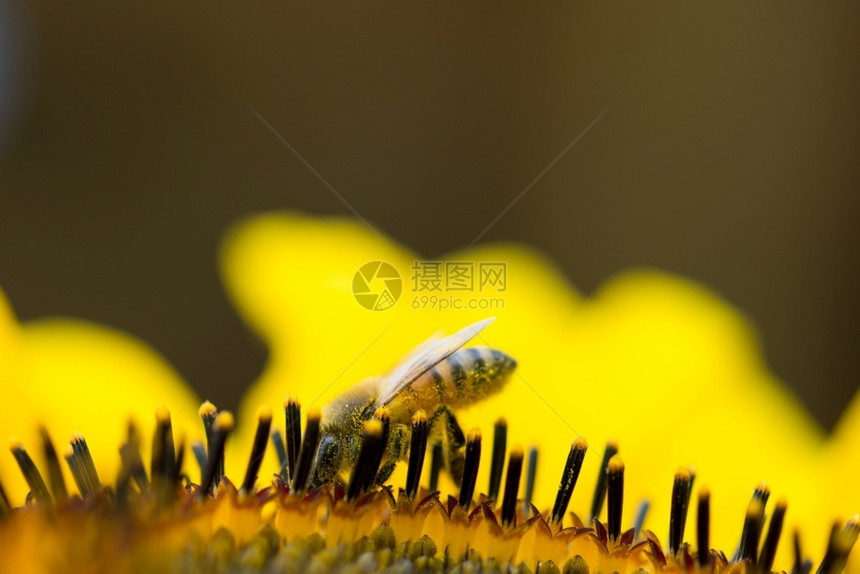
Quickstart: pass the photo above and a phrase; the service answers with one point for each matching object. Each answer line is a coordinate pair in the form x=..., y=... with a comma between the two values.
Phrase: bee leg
x=395, y=450
x=327, y=462
x=456, y=462
x=456, y=438
x=385, y=471
x=453, y=432
x=454, y=441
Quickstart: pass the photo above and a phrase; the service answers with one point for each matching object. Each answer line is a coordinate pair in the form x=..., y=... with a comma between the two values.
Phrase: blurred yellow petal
x=72, y=376
x=843, y=446
x=660, y=363
x=843, y=465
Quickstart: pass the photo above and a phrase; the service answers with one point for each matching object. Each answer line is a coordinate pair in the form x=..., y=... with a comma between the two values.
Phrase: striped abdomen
x=467, y=376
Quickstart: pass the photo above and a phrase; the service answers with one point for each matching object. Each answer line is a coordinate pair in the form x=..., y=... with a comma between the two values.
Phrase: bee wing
x=423, y=358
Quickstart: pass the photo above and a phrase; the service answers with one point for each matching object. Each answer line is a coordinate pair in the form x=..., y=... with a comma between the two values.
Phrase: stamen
x=281, y=452
x=568, y=479
x=768, y=549
x=258, y=450
x=798, y=567
x=180, y=459
x=531, y=475
x=512, y=486
x=470, y=471
x=208, y=412
x=678, y=513
x=293, y=432
x=384, y=416
x=840, y=545
x=308, y=449
x=199, y=450
x=129, y=453
x=752, y=531
x=615, y=487
x=31, y=473
x=55, y=472
x=162, y=466
x=761, y=493
x=435, y=466
x=497, y=463
x=692, y=471
x=122, y=490
x=5, y=508
x=600, y=487
x=163, y=448
x=77, y=472
x=639, y=517
x=417, y=450
x=371, y=444
x=222, y=426
x=703, y=527
x=85, y=463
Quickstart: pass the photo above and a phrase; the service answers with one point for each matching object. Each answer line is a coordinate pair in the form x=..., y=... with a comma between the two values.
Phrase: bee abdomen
x=469, y=375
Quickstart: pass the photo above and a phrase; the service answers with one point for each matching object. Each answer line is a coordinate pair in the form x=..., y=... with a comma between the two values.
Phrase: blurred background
x=728, y=153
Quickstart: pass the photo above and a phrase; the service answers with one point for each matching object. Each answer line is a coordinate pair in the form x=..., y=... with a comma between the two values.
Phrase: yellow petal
x=660, y=363
x=843, y=466
x=291, y=278
x=843, y=447
x=76, y=376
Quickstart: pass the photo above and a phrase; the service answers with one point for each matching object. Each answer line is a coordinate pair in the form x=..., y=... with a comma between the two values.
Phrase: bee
x=439, y=377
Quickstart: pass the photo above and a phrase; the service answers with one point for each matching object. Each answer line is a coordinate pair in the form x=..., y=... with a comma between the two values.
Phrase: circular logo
x=377, y=285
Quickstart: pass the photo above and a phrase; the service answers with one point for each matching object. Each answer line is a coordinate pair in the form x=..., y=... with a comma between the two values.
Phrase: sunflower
x=649, y=397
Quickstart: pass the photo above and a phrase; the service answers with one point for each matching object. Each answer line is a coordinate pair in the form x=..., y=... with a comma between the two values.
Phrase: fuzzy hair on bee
x=438, y=377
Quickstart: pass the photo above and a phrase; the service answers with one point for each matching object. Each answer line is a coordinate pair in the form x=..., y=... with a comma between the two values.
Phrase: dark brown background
x=728, y=153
